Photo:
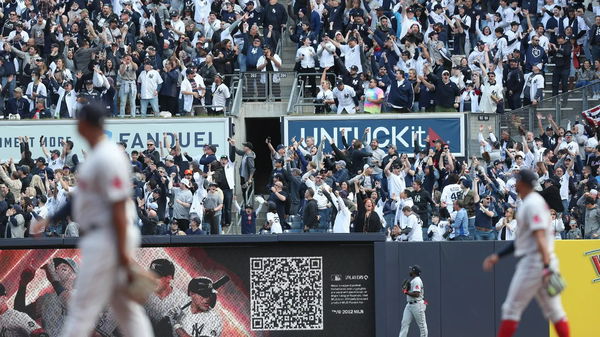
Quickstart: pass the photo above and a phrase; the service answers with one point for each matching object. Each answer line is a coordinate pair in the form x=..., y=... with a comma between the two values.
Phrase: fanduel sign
x=193, y=134
x=399, y=130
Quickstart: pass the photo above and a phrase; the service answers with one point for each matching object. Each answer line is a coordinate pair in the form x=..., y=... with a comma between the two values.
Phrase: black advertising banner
x=261, y=290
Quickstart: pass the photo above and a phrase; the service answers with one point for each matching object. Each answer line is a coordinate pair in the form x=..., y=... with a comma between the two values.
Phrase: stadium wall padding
x=463, y=300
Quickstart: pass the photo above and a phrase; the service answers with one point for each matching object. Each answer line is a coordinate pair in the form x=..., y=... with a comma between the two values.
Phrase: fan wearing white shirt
x=306, y=56
x=192, y=88
x=220, y=94
x=345, y=96
x=150, y=82
x=352, y=52
x=411, y=226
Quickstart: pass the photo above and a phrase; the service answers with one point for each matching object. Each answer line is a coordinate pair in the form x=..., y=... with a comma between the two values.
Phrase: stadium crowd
x=358, y=187
x=479, y=56
x=176, y=56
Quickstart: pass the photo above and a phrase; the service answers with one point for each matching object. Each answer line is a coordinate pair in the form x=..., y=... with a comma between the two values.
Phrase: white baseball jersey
x=416, y=284
x=438, y=231
x=396, y=183
x=149, y=80
x=416, y=233
x=450, y=194
x=275, y=224
x=16, y=324
x=157, y=308
x=203, y=324
x=533, y=215
x=103, y=179
x=53, y=310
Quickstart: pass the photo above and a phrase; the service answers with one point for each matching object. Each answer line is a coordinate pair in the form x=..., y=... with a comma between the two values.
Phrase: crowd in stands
x=408, y=55
x=464, y=55
x=357, y=187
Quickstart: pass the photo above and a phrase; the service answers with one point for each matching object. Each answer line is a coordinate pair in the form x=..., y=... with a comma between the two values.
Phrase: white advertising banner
x=193, y=134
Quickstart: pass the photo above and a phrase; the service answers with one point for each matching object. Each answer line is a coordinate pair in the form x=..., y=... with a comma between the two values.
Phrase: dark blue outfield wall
x=463, y=300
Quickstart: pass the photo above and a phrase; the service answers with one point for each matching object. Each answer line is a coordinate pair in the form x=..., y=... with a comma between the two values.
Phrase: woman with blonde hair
x=38, y=184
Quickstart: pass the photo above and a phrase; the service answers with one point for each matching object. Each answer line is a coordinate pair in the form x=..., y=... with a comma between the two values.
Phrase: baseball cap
x=354, y=67
x=188, y=171
x=248, y=145
x=480, y=43
x=68, y=261
x=89, y=81
x=185, y=182
x=41, y=160
x=594, y=192
x=539, y=66
x=415, y=269
x=527, y=177
x=162, y=267
x=280, y=146
x=366, y=166
x=341, y=163
x=224, y=157
x=169, y=158
x=156, y=190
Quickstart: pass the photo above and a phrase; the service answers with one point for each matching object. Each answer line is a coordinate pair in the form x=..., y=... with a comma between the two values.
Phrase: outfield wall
x=337, y=284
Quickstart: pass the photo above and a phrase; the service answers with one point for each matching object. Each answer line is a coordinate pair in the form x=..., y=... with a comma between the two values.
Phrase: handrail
x=291, y=101
x=236, y=105
x=559, y=105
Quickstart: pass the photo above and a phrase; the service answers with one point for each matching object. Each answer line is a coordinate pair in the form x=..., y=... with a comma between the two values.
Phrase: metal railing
x=267, y=86
x=564, y=107
x=298, y=103
x=236, y=103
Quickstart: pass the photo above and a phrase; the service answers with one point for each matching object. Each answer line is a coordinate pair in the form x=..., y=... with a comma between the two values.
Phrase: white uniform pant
x=101, y=282
x=527, y=283
x=414, y=311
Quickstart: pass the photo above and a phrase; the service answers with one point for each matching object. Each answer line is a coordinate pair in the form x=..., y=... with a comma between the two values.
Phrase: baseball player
x=166, y=297
x=415, y=304
x=14, y=323
x=104, y=210
x=199, y=319
x=534, y=243
x=51, y=307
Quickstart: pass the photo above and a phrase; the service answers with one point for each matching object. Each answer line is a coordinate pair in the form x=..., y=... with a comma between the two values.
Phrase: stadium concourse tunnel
x=257, y=131
x=326, y=285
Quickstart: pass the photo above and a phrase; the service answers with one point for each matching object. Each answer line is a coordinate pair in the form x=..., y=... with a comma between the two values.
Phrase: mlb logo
x=595, y=259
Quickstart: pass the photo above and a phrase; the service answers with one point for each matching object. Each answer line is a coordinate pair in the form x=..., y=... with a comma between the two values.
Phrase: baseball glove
x=554, y=283
x=405, y=286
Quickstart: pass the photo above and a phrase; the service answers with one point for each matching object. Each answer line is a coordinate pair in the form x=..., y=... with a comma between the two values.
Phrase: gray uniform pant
x=526, y=284
x=414, y=311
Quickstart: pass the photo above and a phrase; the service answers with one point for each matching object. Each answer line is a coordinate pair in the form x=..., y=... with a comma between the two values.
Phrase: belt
x=413, y=302
x=483, y=229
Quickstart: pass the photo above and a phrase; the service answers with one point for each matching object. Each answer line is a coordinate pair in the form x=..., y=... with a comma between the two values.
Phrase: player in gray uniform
x=103, y=208
x=51, y=307
x=534, y=244
x=164, y=298
x=14, y=323
x=200, y=319
x=415, y=304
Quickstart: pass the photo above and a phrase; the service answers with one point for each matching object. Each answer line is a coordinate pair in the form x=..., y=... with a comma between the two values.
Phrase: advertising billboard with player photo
x=300, y=290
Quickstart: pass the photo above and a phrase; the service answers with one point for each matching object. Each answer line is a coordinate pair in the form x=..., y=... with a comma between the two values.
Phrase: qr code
x=286, y=293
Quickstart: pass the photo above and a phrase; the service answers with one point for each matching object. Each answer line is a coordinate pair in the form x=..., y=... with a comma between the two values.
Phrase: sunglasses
x=150, y=144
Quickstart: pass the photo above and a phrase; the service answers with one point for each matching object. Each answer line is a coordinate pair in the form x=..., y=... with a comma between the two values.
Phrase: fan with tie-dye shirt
x=374, y=97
